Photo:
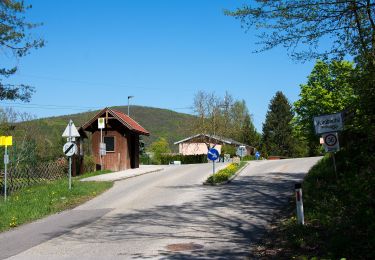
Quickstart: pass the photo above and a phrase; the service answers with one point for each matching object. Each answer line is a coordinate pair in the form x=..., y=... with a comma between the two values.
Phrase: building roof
x=126, y=120
x=223, y=140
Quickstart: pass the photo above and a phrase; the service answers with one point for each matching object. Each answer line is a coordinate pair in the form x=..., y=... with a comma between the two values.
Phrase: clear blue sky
x=163, y=52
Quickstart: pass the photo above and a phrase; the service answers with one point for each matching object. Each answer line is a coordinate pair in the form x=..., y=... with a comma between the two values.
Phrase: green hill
x=159, y=122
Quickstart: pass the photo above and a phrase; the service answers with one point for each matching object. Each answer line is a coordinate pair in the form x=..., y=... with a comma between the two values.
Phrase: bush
x=225, y=174
x=185, y=159
x=89, y=164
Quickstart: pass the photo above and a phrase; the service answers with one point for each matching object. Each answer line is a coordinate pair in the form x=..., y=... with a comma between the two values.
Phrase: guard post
x=299, y=204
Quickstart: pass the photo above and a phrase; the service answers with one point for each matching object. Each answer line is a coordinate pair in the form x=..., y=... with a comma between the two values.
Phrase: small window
x=109, y=143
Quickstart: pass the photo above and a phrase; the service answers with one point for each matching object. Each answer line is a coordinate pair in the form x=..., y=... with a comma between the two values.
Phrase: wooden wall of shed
x=119, y=159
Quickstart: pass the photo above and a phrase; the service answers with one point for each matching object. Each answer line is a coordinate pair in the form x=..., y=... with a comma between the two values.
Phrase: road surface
x=165, y=215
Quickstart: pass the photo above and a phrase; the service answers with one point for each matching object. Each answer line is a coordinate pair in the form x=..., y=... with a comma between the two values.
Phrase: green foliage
x=184, y=159
x=227, y=118
x=225, y=174
x=329, y=89
x=228, y=149
x=158, y=148
x=347, y=25
x=15, y=41
x=42, y=200
x=89, y=164
x=277, y=136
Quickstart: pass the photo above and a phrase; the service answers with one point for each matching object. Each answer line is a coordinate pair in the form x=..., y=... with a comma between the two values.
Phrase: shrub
x=185, y=159
x=89, y=164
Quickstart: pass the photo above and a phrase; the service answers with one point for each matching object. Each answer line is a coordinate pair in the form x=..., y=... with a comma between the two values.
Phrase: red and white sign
x=331, y=142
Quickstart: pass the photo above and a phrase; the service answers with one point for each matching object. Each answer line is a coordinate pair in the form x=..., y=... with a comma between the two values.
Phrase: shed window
x=109, y=143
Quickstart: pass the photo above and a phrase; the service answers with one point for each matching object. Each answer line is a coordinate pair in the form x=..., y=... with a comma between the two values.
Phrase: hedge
x=184, y=159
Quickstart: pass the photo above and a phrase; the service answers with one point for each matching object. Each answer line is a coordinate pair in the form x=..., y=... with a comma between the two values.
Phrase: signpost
x=6, y=141
x=213, y=155
x=328, y=123
x=70, y=148
x=102, y=146
x=241, y=151
x=328, y=126
x=257, y=155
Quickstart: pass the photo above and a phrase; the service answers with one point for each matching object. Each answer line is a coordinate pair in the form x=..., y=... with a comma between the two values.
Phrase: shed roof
x=126, y=120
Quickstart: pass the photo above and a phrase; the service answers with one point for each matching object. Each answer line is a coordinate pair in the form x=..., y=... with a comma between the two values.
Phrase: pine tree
x=277, y=129
x=249, y=134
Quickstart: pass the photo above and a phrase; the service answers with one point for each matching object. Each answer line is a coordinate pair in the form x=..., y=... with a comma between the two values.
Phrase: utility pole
x=129, y=97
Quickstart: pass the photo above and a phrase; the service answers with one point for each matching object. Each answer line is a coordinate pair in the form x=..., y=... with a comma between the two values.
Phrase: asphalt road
x=165, y=215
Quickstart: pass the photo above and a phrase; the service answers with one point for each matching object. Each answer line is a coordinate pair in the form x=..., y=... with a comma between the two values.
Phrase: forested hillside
x=159, y=122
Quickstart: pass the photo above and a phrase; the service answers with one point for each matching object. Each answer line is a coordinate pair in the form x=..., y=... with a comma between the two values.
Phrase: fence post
x=299, y=203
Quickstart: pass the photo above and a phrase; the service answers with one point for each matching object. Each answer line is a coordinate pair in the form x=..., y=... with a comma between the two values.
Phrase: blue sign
x=213, y=154
x=257, y=155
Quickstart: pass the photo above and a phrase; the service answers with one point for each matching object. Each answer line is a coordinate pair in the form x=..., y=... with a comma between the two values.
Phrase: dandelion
x=13, y=222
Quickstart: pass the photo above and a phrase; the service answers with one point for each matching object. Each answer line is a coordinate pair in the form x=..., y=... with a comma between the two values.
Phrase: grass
x=225, y=174
x=39, y=201
x=339, y=216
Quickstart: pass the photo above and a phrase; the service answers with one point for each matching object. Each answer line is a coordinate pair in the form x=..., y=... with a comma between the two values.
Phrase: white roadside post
x=70, y=148
x=299, y=204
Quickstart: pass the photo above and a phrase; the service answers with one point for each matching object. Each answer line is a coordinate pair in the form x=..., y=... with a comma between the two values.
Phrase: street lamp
x=129, y=97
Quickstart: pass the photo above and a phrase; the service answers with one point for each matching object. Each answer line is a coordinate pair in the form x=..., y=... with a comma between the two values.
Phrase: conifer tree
x=277, y=129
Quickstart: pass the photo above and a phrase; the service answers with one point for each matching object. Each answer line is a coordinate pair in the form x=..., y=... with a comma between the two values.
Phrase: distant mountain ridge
x=159, y=122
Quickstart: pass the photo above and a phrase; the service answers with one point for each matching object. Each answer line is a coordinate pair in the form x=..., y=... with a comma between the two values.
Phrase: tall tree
x=329, y=89
x=347, y=27
x=15, y=40
x=249, y=134
x=277, y=138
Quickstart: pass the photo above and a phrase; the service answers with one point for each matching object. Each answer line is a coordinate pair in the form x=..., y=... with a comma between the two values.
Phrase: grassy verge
x=339, y=217
x=225, y=174
x=41, y=200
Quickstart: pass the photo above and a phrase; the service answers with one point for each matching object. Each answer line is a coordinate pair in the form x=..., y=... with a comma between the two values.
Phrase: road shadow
x=225, y=220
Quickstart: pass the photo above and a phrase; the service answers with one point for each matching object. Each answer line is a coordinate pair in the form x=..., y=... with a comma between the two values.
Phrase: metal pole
x=5, y=173
x=334, y=164
x=299, y=203
x=70, y=158
x=100, y=147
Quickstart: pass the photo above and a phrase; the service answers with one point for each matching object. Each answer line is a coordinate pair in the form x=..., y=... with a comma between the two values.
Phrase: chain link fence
x=22, y=176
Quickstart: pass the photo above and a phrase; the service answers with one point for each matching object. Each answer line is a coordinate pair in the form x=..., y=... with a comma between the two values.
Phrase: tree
x=347, y=27
x=277, y=138
x=228, y=118
x=249, y=134
x=159, y=147
x=329, y=89
x=16, y=41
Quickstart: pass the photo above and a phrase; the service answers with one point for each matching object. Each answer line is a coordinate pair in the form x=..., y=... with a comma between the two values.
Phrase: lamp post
x=129, y=97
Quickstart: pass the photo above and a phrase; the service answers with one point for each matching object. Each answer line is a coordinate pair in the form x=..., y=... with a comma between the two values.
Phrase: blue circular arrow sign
x=213, y=154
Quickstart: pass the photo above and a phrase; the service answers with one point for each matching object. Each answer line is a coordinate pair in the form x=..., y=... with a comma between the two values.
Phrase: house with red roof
x=120, y=136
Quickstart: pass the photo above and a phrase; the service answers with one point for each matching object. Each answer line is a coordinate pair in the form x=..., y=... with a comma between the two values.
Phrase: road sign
x=241, y=151
x=257, y=155
x=103, y=149
x=328, y=123
x=213, y=154
x=6, y=140
x=73, y=130
x=69, y=149
x=101, y=124
x=331, y=142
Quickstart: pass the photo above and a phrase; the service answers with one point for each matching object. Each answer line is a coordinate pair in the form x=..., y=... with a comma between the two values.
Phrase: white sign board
x=69, y=149
x=101, y=124
x=73, y=130
x=328, y=123
x=103, y=149
x=241, y=151
x=331, y=142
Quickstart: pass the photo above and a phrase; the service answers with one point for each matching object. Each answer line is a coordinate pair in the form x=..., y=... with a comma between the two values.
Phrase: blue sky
x=163, y=52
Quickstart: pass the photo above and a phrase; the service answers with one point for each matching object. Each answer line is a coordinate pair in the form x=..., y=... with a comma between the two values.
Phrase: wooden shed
x=121, y=136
